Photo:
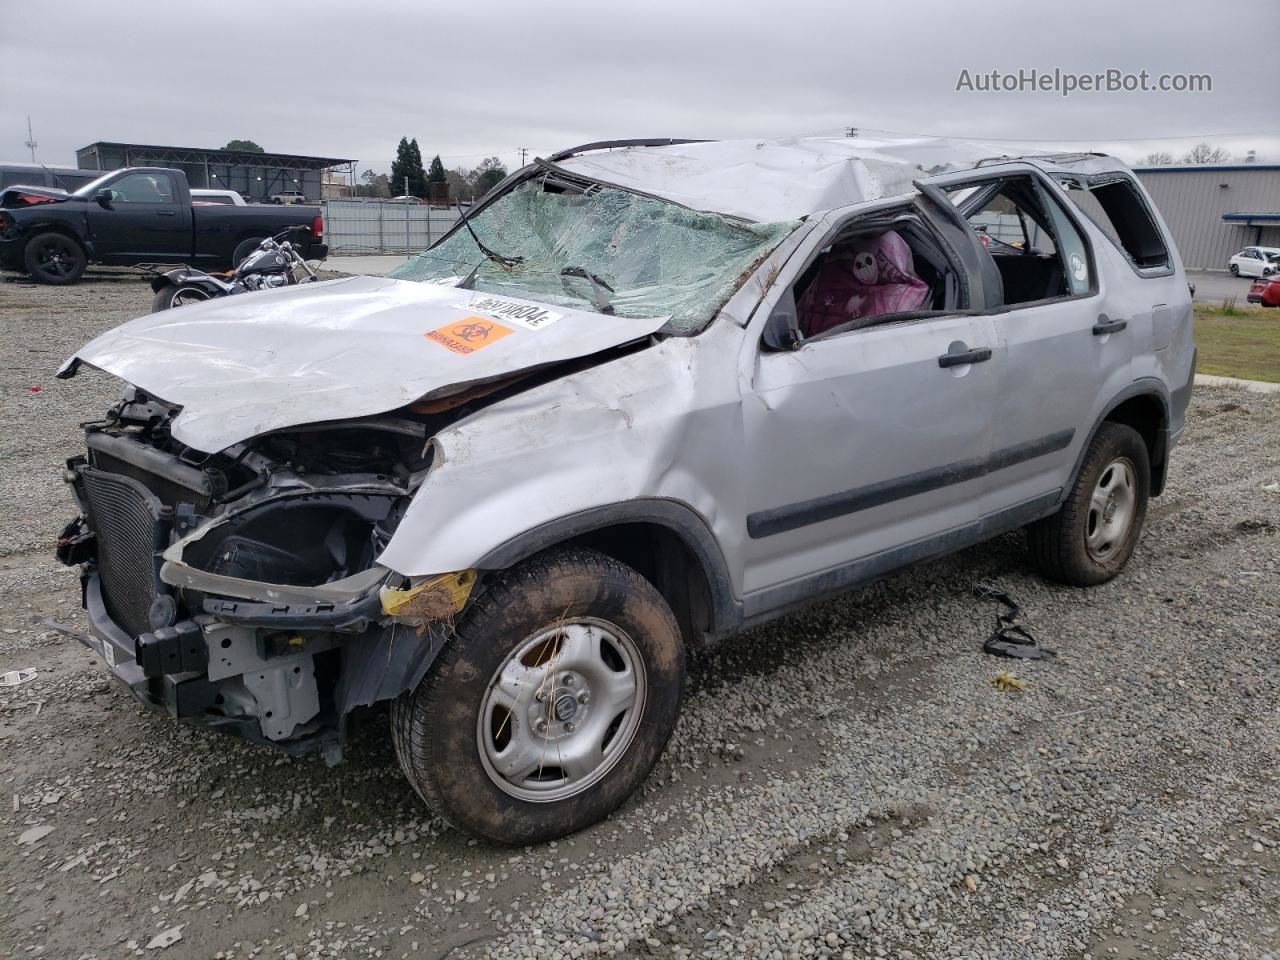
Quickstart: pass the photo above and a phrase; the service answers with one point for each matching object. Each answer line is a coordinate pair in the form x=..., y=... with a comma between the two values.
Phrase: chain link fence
x=375, y=226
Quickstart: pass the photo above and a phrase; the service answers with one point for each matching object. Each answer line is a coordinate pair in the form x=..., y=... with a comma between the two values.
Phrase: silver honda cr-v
x=644, y=394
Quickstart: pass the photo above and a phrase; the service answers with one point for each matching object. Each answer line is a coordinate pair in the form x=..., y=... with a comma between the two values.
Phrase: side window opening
x=142, y=188
x=876, y=270
x=1039, y=253
x=1119, y=211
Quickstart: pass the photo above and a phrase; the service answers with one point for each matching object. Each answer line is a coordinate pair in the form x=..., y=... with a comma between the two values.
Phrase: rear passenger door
x=1063, y=348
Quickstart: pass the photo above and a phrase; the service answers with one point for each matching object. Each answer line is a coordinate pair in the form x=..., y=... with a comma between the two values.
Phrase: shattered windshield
x=604, y=250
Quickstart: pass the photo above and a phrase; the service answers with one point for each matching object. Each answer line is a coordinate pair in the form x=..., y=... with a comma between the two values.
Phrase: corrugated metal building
x=255, y=176
x=1216, y=210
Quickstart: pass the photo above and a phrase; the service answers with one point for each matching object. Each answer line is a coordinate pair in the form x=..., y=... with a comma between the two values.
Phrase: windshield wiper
x=505, y=262
x=598, y=287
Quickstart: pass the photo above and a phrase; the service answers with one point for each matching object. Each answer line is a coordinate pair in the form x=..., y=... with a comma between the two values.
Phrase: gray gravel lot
x=844, y=783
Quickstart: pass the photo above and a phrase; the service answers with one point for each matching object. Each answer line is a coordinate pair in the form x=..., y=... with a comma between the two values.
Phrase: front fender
x=631, y=430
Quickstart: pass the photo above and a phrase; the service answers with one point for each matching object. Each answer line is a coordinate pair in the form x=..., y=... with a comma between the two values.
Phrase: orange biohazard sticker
x=468, y=334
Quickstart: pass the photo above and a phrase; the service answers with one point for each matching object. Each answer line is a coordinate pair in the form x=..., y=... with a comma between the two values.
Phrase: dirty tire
x=1058, y=544
x=54, y=258
x=243, y=249
x=170, y=296
x=434, y=727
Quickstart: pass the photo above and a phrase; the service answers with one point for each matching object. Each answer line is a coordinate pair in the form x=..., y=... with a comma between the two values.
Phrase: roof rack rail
x=606, y=144
x=1059, y=157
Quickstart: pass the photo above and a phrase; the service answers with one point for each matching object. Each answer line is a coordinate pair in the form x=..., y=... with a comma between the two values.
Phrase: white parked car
x=224, y=197
x=1255, y=262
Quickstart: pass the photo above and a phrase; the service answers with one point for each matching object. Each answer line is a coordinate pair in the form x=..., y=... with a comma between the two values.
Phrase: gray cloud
x=483, y=79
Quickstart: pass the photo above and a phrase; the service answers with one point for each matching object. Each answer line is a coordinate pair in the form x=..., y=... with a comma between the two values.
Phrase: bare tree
x=1204, y=153
x=375, y=185
x=459, y=184
x=1160, y=158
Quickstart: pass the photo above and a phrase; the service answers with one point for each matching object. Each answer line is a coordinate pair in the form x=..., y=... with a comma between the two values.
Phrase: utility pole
x=524, y=152
x=851, y=131
x=31, y=140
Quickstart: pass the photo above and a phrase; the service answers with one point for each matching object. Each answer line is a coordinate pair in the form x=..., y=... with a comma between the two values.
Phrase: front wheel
x=168, y=297
x=54, y=258
x=1091, y=538
x=243, y=249
x=1235, y=269
x=549, y=705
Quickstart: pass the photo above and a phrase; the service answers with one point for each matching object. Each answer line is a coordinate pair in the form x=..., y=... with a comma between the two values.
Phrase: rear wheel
x=168, y=297
x=54, y=258
x=551, y=703
x=1092, y=537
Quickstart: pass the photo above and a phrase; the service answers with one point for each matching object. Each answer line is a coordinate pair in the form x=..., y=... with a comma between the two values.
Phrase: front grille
x=131, y=528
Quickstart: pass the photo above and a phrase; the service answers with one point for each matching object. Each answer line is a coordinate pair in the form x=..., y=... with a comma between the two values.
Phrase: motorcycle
x=273, y=263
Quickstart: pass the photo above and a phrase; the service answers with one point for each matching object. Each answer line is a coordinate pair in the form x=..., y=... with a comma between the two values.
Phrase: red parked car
x=1265, y=291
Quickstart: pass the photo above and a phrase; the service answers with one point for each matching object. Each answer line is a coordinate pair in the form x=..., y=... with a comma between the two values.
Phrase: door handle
x=1106, y=325
x=976, y=355
x=166, y=213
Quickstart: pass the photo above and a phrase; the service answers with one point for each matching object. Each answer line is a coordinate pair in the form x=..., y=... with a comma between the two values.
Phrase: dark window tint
x=74, y=181
x=142, y=188
x=25, y=178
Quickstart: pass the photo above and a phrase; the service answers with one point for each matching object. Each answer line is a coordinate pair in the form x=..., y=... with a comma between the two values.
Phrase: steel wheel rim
x=1112, y=509
x=561, y=710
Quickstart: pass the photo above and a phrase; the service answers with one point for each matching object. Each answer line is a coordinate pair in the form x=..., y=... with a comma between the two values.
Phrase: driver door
x=865, y=449
x=144, y=221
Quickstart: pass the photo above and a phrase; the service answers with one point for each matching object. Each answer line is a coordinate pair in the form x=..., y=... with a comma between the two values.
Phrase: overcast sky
x=471, y=80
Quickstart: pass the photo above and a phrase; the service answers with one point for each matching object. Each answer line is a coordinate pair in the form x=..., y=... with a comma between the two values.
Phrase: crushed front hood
x=251, y=363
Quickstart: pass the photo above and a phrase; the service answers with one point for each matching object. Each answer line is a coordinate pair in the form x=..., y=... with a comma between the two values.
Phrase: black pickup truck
x=137, y=215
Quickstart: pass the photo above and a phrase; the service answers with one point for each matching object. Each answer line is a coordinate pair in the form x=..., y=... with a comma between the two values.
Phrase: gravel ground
x=844, y=783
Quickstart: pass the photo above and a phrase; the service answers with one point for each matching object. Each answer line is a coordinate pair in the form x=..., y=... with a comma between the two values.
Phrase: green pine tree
x=417, y=174
x=401, y=167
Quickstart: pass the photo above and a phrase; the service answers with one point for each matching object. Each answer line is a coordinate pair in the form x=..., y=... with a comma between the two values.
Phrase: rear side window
x=1121, y=213
x=74, y=181
x=25, y=178
x=1034, y=245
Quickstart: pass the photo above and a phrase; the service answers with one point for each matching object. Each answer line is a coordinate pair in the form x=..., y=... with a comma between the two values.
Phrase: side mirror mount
x=103, y=198
x=782, y=330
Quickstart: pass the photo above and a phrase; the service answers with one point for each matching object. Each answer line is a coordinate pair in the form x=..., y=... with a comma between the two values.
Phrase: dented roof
x=770, y=180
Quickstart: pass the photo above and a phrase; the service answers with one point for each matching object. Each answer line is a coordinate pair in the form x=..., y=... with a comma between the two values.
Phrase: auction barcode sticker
x=527, y=315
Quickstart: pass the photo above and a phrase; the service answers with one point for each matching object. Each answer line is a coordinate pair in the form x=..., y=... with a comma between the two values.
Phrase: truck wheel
x=550, y=703
x=243, y=249
x=54, y=258
x=169, y=296
x=1091, y=538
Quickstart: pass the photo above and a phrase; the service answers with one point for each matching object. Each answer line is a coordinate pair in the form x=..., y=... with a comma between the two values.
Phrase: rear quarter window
x=1119, y=211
